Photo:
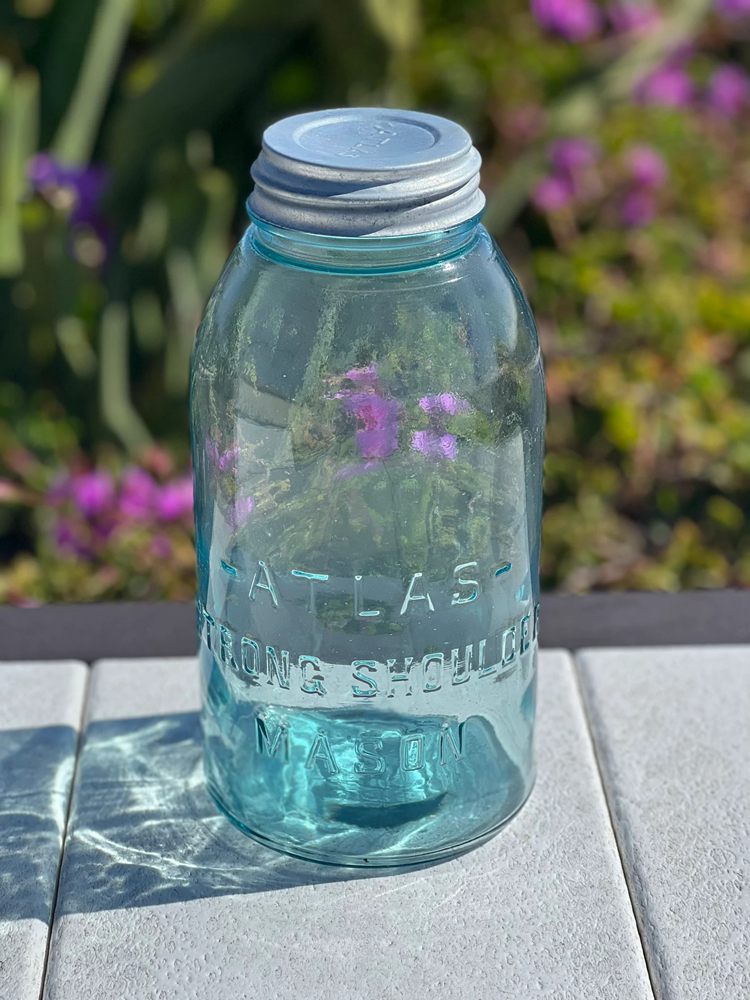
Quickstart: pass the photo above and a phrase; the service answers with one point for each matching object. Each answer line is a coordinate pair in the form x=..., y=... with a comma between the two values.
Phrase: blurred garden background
x=617, y=168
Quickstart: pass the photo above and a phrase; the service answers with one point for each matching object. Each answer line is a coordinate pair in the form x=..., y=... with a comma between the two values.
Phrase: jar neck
x=360, y=254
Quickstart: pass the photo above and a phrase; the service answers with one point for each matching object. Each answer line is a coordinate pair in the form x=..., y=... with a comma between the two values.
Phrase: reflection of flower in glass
x=377, y=417
x=575, y=20
x=241, y=510
x=728, y=91
x=434, y=444
x=445, y=402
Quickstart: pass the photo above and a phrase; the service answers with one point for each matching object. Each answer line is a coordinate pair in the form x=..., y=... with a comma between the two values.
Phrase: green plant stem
x=114, y=394
x=76, y=135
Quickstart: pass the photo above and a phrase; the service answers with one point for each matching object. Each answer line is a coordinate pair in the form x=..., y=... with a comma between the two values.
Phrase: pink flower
x=632, y=15
x=175, y=500
x=552, y=193
x=670, y=86
x=638, y=208
x=570, y=155
x=574, y=20
x=728, y=91
x=434, y=444
x=137, y=495
x=92, y=492
x=646, y=166
x=379, y=442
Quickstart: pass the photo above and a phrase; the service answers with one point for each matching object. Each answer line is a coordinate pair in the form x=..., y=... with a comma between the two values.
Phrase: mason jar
x=367, y=407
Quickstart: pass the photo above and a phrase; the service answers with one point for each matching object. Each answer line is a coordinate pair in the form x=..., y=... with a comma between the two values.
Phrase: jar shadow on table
x=144, y=830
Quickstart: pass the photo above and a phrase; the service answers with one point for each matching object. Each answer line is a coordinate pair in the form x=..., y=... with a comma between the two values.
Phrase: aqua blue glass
x=367, y=424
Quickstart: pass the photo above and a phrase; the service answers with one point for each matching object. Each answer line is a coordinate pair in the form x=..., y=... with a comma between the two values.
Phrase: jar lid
x=366, y=171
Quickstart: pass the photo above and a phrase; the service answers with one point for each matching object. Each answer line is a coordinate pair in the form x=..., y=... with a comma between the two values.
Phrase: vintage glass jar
x=367, y=421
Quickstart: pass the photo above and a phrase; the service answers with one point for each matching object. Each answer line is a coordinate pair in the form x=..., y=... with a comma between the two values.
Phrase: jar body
x=367, y=447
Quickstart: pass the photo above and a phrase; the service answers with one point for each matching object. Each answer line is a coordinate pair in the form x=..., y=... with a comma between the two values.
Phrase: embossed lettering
x=262, y=574
x=412, y=752
x=313, y=684
x=268, y=744
x=508, y=645
x=399, y=676
x=525, y=633
x=250, y=656
x=458, y=598
x=436, y=660
x=371, y=688
x=450, y=744
x=210, y=625
x=226, y=647
x=461, y=669
x=370, y=761
x=359, y=613
x=312, y=578
x=275, y=669
x=411, y=596
x=322, y=755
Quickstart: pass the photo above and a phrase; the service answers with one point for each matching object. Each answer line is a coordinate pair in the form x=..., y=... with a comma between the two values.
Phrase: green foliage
x=645, y=328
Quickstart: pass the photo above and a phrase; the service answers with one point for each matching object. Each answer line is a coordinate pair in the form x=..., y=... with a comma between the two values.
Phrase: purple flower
x=630, y=15
x=552, y=193
x=363, y=377
x=434, y=444
x=68, y=539
x=445, y=402
x=137, y=495
x=377, y=419
x=92, y=492
x=175, y=499
x=86, y=185
x=227, y=458
x=646, y=166
x=570, y=155
x=733, y=8
x=574, y=20
x=728, y=91
x=670, y=86
x=638, y=208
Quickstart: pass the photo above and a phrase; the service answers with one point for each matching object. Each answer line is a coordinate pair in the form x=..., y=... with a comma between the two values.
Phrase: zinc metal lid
x=366, y=172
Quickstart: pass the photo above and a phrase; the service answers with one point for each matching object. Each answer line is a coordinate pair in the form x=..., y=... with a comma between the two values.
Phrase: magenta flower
x=445, y=402
x=728, y=91
x=575, y=20
x=638, y=208
x=552, y=193
x=572, y=154
x=632, y=16
x=435, y=445
x=377, y=421
x=227, y=458
x=175, y=499
x=68, y=539
x=138, y=495
x=733, y=8
x=92, y=492
x=669, y=86
x=646, y=167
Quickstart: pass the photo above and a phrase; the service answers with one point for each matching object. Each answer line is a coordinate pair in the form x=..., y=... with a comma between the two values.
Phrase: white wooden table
x=626, y=875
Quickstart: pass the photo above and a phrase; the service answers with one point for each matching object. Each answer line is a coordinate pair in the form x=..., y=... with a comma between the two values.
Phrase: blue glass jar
x=367, y=417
